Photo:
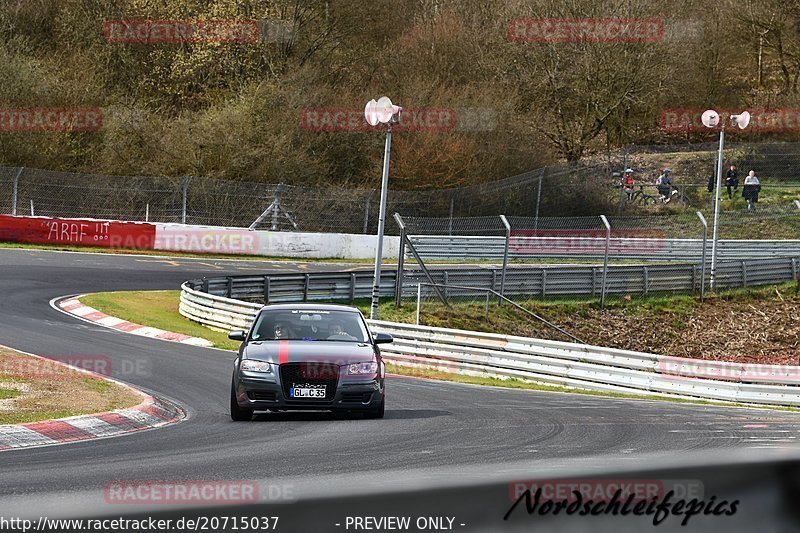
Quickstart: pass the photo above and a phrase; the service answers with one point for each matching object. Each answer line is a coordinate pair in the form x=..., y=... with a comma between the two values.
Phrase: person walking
x=732, y=180
x=664, y=186
x=752, y=186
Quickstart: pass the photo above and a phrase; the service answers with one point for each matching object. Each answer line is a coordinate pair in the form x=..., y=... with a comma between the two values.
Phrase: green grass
x=12, y=417
x=157, y=309
x=5, y=394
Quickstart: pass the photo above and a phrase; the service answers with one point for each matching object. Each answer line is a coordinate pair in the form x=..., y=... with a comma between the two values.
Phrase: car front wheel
x=239, y=414
x=377, y=413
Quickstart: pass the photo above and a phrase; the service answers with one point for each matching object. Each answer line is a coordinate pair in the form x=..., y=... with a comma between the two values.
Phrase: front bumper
x=264, y=393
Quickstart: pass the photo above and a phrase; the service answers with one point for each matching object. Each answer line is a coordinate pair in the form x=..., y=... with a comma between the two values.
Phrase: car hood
x=335, y=353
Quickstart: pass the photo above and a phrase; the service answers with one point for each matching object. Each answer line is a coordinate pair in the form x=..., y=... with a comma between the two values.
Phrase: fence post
x=538, y=201
x=505, y=258
x=33, y=214
x=401, y=256
x=352, y=287
x=797, y=203
x=266, y=289
x=366, y=210
x=452, y=208
x=147, y=212
x=14, y=190
x=703, y=268
x=305, y=287
x=419, y=299
x=185, y=197
x=605, y=262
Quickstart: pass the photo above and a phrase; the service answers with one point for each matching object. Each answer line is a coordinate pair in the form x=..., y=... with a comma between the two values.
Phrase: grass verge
x=37, y=389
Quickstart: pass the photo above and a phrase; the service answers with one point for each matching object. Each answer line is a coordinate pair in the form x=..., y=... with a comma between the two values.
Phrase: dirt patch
x=47, y=390
x=759, y=326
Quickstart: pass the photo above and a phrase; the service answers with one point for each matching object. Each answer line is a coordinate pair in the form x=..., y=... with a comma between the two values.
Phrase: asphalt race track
x=440, y=429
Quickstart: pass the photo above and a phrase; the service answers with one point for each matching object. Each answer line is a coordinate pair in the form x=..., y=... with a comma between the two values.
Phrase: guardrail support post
x=401, y=259
x=305, y=287
x=794, y=269
x=229, y=287
x=352, y=287
x=605, y=262
x=744, y=274
x=14, y=190
x=505, y=257
x=205, y=285
x=703, y=257
x=644, y=279
x=266, y=289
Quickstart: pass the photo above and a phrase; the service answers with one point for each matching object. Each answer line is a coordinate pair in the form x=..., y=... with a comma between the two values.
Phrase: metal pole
x=147, y=212
x=538, y=200
x=505, y=257
x=185, y=191
x=15, y=189
x=366, y=210
x=376, y=286
x=401, y=257
x=716, y=208
x=32, y=213
x=419, y=298
x=703, y=267
x=605, y=262
x=452, y=208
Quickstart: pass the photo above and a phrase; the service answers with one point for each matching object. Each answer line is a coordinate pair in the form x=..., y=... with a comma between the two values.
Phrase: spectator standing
x=752, y=186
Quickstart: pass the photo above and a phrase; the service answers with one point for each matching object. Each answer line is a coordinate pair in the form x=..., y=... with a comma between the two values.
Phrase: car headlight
x=363, y=368
x=251, y=365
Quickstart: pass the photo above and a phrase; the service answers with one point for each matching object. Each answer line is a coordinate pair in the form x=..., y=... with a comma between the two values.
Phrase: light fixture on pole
x=384, y=112
x=711, y=119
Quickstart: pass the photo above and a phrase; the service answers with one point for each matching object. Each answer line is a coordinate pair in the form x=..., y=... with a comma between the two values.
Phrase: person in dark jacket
x=752, y=186
x=732, y=180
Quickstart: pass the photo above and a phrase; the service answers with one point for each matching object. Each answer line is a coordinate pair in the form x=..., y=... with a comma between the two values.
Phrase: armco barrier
x=521, y=281
x=77, y=232
x=552, y=362
x=483, y=248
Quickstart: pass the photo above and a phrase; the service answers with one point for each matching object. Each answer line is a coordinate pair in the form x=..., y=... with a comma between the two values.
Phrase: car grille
x=293, y=373
x=263, y=396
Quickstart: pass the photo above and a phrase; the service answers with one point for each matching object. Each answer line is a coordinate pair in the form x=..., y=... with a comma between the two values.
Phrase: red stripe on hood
x=283, y=352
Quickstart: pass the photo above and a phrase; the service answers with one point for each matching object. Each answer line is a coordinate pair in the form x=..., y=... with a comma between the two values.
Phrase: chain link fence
x=205, y=201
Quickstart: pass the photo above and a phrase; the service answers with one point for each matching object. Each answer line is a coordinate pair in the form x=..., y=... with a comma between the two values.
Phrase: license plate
x=298, y=392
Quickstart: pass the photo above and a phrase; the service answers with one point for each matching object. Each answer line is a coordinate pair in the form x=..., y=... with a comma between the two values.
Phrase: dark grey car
x=308, y=357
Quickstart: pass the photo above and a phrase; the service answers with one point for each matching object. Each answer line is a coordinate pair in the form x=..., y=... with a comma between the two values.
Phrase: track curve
x=428, y=424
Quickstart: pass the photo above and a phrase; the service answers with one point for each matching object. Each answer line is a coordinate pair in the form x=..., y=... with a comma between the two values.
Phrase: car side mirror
x=237, y=335
x=383, y=338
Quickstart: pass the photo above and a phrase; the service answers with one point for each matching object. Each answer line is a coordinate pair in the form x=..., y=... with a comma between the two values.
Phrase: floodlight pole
x=717, y=192
x=376, y=285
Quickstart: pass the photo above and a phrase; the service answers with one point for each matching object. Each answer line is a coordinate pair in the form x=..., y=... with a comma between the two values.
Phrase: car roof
x=309, y=307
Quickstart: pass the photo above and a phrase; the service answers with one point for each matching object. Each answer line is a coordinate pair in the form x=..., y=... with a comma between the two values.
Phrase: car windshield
x=309, y=325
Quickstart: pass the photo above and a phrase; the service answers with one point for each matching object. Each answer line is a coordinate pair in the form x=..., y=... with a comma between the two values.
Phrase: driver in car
x=336, y=332
x=281, y=331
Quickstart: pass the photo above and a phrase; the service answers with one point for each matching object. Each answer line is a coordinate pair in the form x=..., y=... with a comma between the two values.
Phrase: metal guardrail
x=545, y=361
x=521, y=281
x=575, y=247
